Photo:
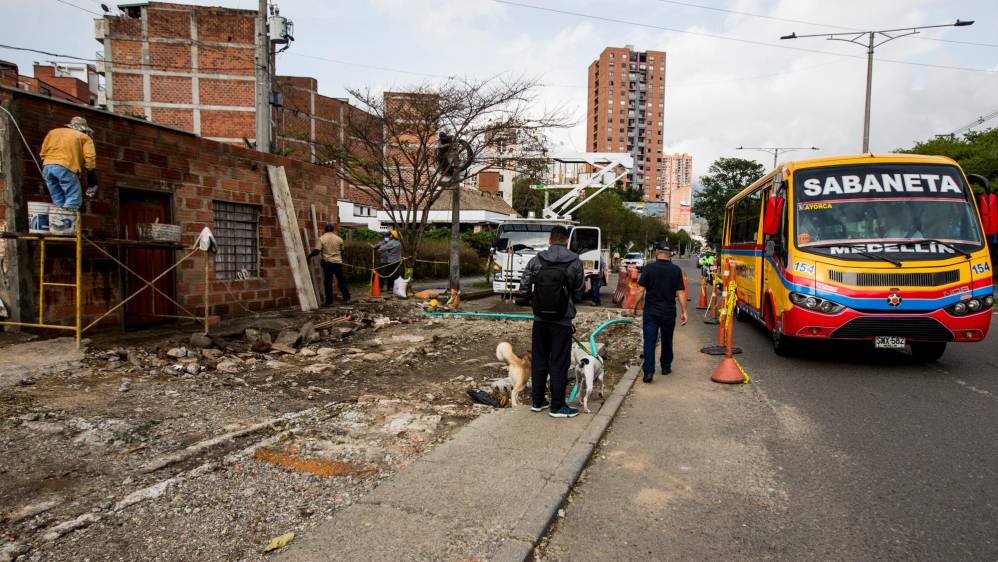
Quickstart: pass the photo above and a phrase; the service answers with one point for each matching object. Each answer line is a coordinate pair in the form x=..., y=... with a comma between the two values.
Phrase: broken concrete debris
x=177, y=436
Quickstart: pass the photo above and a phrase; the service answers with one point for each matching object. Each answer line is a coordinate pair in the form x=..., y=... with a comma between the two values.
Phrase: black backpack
x=550, y=291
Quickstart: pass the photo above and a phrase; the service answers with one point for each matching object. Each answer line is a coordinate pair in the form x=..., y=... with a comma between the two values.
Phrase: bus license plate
x=889, y=342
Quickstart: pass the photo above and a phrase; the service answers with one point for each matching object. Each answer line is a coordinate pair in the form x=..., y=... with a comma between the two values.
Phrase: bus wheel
x=741, y=315
x=783, y=344
x=927, y=351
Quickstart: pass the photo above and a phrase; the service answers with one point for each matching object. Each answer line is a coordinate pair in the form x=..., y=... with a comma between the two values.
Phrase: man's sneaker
x=564, y=412
x=666, y=370
x=544, y=406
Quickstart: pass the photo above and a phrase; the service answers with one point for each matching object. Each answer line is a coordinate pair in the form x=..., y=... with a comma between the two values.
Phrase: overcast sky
x=720, y=93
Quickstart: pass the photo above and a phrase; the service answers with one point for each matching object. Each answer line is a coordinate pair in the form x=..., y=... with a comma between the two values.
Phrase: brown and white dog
x=518, y=368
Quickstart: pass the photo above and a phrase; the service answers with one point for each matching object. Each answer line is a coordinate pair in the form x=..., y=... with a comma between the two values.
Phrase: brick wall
x=8, y=74
x=199, y=56
x=194, y=172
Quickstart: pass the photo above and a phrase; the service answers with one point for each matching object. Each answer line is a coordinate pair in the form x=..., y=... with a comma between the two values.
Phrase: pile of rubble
x=206, y=447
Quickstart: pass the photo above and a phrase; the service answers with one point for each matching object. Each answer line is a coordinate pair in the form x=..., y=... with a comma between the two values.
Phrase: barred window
x=237, y=234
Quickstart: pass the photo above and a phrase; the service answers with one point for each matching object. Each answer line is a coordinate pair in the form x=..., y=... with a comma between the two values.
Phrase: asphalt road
x=840, y=453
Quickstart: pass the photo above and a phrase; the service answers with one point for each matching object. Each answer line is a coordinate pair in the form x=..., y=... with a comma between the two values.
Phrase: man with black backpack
x=554, y=280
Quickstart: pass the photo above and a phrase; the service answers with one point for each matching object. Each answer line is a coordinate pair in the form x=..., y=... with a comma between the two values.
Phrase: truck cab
x=518, y=241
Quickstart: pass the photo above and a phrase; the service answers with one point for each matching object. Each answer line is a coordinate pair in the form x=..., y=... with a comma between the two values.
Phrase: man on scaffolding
x=66, y=152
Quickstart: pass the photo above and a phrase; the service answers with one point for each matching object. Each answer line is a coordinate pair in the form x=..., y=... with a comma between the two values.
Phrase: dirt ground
x=162, y=446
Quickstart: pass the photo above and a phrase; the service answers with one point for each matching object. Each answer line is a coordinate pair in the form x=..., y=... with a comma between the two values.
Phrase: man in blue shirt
x=661, y=284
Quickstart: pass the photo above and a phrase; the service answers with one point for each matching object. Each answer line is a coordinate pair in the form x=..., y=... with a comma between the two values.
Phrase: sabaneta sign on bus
x=891, y=248
x=874, y=184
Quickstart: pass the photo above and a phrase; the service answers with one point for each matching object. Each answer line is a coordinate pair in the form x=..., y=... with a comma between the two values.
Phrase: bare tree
x=390, y=146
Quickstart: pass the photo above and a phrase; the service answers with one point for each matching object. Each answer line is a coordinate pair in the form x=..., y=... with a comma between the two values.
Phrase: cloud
x=719, y=94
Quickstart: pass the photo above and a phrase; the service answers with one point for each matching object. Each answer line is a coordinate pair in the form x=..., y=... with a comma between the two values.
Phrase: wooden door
x=149, y=307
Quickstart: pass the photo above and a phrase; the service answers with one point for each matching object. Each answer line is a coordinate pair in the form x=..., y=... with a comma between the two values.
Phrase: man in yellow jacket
x=66, y=152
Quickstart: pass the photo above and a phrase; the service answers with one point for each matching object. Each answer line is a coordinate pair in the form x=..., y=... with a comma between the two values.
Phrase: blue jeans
x=651, y=326
x=64, y=186
x=596, y=281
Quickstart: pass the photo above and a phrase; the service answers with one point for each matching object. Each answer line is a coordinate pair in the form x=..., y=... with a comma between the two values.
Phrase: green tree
x=620, y=226
x=976, y=152
x=724, y=178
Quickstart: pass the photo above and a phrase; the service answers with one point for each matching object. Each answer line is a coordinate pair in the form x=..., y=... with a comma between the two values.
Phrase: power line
x=79, y=7
x=979, y=121
x=112, y=64
x=805, y=22
x=732, y=39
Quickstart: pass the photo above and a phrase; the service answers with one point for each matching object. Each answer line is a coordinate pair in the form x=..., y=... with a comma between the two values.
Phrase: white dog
x=588, y=370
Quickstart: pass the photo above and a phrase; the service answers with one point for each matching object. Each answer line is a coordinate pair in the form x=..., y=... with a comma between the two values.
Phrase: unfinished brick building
x=191, y=67
x=151, y=172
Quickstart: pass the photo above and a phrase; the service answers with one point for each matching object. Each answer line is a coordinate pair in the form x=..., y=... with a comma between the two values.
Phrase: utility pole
x=776, y=150
x=871, y=43
x=262, y=72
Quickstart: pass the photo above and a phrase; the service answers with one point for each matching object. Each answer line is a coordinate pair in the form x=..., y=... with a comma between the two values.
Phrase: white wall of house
x=353, y=213
x=472, y=216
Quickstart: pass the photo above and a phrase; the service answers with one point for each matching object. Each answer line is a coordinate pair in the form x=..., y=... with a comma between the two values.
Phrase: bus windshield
x=884, y=209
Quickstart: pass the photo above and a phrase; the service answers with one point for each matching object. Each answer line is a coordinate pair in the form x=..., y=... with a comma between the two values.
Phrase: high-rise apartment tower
x=626, y=112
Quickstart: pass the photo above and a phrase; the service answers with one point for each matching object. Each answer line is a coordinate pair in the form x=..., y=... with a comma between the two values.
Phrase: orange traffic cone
x=728, y=372
x=375, y=284
x=686, y=288
x=702, y=304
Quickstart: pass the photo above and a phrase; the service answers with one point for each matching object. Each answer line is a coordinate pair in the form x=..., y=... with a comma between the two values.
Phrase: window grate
x=236, y=230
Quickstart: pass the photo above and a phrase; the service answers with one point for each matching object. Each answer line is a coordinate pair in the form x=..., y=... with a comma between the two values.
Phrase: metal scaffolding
x=78, y=239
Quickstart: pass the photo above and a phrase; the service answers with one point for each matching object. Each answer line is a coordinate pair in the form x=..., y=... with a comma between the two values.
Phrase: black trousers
x=328, y=271
x=652, y=326
x=551, y=354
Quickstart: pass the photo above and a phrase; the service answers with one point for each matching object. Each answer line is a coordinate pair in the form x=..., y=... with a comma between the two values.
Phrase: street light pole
x=856, y=37
x=776, y=150
x=869, y=95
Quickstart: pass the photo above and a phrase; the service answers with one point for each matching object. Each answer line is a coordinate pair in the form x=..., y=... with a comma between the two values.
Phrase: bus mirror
x=988, y=205
x=773, y=216
x=770, y=248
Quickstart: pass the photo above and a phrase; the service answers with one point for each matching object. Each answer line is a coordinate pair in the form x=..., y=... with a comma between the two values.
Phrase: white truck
x=519, y=240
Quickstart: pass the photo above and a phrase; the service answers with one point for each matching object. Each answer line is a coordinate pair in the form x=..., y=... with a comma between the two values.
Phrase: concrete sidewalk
x=683, y=474
x=489, y=493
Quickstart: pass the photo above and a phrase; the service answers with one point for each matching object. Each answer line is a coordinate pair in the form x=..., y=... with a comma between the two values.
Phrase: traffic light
x=445, y=161
x=454, y=156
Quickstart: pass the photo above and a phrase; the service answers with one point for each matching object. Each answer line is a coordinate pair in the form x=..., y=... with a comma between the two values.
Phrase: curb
x=537, y=519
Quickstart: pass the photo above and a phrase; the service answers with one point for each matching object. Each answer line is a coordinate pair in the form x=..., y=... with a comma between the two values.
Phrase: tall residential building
x=626, y=112
x=676, y=172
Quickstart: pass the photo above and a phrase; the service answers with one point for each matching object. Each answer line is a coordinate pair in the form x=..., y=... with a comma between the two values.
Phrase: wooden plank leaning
x=288, y=220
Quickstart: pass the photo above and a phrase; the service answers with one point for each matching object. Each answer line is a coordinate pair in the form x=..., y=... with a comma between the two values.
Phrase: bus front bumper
x=936, y=326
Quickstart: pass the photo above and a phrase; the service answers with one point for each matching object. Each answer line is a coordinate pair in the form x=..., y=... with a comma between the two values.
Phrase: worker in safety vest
x=66, y=153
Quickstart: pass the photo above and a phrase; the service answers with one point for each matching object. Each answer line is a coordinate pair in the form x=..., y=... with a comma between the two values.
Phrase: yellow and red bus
x=890, y=249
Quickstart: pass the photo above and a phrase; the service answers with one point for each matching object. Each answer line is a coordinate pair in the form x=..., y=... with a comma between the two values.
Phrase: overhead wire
x=79, y=7
x=814, y=23
x=732, y=39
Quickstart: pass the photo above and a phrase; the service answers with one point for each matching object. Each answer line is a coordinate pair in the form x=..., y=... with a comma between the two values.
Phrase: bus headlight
x=971, y=306
x=816, y=304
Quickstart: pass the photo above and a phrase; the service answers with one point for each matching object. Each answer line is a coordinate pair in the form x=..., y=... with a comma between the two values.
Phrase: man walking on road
x=331, y=247
x=661, y=284
x=66, y=152
x=554, y=279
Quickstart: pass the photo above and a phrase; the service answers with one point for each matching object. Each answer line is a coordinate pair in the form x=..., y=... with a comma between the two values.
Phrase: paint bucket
x=62, y=221
x=38, y=217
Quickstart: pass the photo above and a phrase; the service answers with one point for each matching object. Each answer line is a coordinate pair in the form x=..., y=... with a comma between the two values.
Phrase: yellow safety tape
x=744, y=374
